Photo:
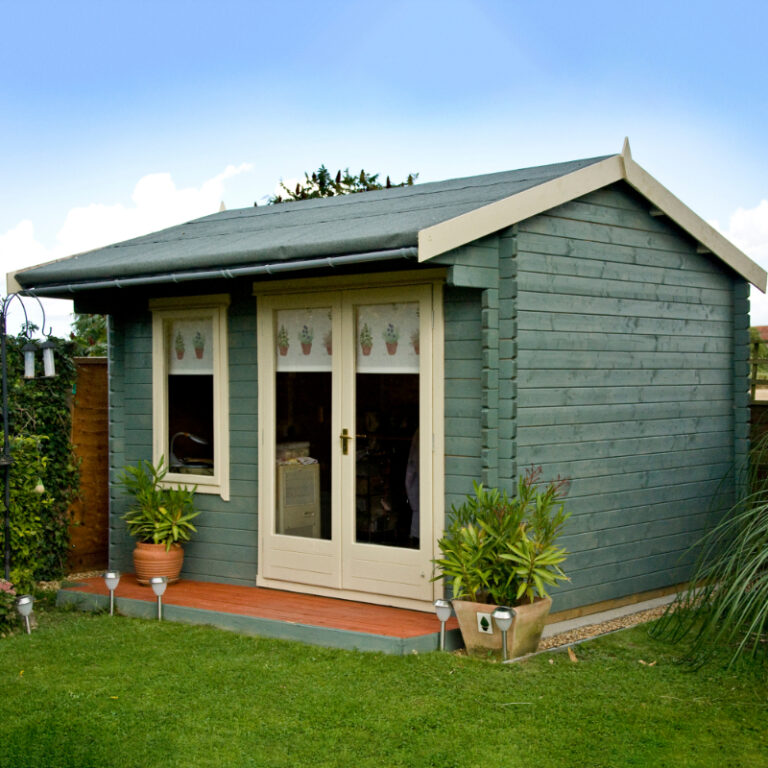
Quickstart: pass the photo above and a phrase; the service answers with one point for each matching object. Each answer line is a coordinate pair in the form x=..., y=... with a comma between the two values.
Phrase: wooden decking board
x=289, y=607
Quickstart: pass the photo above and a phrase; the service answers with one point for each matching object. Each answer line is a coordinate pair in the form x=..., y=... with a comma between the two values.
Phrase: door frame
x=266, y=362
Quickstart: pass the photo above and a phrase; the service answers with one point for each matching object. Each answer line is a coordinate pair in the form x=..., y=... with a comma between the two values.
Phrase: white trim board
x=483, y=221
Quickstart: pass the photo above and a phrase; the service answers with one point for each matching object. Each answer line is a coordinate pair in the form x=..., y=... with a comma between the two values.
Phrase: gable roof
x=384, y=224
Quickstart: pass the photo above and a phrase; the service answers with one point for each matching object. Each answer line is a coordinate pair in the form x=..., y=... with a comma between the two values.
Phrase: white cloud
x=157, y=204
x=748, y=230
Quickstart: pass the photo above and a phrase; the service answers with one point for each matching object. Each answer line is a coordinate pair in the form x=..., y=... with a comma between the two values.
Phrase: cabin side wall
x=225, y=547
x=631, y=381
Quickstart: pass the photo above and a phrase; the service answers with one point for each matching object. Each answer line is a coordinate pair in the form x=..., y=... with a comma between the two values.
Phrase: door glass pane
x=387, y=425
x=303, y=389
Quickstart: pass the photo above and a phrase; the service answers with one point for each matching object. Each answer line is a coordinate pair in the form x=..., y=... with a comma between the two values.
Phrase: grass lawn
x=90, y=690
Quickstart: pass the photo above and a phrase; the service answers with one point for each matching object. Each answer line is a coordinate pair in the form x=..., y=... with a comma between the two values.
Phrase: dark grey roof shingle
x=359, y=223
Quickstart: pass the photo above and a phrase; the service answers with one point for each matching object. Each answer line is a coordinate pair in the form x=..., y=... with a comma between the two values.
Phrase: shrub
x=8, y=613
x=501, y=550
x=726, y=601
x=40, y=411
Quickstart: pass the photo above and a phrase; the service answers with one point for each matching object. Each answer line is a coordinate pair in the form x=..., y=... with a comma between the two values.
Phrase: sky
x=118, y=119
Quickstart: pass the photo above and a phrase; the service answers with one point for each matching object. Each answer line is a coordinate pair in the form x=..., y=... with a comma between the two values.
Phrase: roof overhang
x=491, y=218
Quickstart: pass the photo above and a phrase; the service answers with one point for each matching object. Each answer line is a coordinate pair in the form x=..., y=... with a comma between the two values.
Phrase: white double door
x=346, y=449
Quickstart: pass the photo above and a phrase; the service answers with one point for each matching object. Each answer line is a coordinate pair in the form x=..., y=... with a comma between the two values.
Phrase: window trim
x=185, y=307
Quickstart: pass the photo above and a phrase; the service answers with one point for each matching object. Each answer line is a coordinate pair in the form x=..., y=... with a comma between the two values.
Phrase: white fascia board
x=470, y=226
x=694, y=225
x=11, y=283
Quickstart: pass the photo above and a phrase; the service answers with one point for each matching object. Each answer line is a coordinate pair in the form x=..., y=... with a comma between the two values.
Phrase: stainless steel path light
x=24, y=606
x=504, y=617
x=28, y=350
x=158, y=584
x=443, y=611
x=111, y=579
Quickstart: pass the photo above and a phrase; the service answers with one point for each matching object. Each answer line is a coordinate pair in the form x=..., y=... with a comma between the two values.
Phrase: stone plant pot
x=152, y=560
x=522, y=638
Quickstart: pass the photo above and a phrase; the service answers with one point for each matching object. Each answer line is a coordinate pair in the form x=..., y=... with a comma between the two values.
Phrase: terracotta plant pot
x=366, y=349
x=152, y=560
x=306, y=348
x=283, y=351
x=522, y=638
x=391, y=347
x=199, y=353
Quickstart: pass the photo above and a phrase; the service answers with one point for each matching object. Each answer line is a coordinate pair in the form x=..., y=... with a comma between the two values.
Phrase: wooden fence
x=89, y=515
x=755, y=361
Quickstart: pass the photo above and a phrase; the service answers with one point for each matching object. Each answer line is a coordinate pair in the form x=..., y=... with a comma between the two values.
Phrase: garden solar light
x=504, y=617
x=111, y=579
x=24, y=607
x=158, y=584
x=443, y=611
x=49, y=366
x=29, y=350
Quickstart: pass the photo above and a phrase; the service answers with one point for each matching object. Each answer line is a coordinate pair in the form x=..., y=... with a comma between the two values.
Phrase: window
x=190, y=414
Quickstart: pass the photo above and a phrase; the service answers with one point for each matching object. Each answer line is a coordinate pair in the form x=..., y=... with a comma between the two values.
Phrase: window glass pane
x=189, y=351
x=190, y=424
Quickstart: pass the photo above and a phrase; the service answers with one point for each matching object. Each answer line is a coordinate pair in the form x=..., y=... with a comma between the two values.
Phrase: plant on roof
x=321, y=184
x=501, y=550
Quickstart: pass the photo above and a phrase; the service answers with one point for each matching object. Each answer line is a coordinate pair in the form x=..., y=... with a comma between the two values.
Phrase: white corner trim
x=694, y=225
x=470, y=226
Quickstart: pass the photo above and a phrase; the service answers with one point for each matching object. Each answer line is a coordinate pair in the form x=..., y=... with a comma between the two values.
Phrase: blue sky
x=122, y=118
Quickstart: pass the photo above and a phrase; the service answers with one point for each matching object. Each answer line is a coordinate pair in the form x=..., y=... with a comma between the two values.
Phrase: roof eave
x=473, y=225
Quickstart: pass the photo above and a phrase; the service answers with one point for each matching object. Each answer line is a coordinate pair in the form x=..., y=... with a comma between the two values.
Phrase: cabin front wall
x=225, y=548
x=605, y=349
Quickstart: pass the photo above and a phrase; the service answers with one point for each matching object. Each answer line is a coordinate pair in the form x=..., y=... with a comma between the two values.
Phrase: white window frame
x=212, y=307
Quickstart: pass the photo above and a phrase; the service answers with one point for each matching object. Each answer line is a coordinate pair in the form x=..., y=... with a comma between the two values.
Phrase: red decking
x=291, y=607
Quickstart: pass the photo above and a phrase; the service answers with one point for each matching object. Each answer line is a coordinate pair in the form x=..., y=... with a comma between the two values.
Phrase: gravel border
x=595, y=630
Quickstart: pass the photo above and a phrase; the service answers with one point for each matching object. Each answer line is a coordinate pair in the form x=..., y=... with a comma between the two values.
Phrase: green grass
x=90, y=690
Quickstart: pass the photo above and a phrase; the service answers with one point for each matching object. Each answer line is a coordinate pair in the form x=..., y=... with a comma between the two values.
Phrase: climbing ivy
x=44, y=474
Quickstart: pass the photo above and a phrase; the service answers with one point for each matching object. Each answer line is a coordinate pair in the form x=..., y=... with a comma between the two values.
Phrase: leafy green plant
x=161, y=514
x=500, y=549
x=40, y=423
x=8, y=613
x=726, y=601
x=322, y=184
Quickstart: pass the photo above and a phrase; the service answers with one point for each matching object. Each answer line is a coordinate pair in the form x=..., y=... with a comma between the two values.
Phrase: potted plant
x=160, y=519
x=179, y=346
x=282, y=341
x=501, y=551
x=366, y=339
x=199, y=344
x=391, y=337
x=306, y=334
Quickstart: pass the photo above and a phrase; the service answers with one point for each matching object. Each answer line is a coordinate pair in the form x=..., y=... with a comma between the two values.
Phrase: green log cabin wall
x=225, y=547
x=621, y=364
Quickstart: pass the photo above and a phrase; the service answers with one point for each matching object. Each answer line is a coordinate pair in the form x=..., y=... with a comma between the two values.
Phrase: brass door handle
x=345, y=438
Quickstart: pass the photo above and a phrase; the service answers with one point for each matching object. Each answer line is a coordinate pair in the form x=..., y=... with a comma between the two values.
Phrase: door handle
x=345, y=438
